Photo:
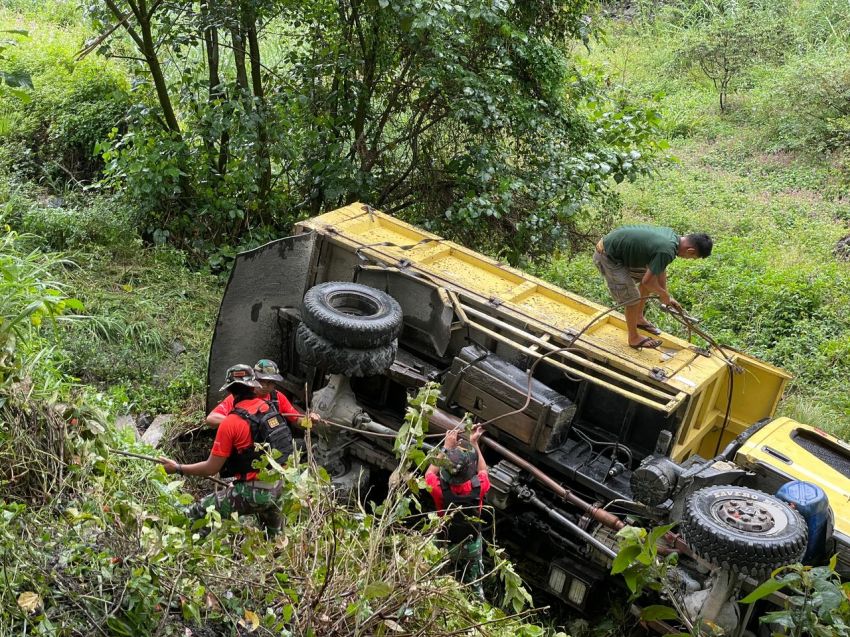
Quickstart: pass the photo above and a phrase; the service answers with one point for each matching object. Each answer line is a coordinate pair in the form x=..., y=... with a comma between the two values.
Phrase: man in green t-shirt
x=633, y=260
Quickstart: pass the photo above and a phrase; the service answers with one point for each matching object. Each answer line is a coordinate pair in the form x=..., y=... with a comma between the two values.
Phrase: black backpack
x=268, y=427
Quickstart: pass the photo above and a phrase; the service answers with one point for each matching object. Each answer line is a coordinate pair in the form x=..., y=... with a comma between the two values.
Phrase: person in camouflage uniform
x=458, y=486
x=232, y=455
x=242, y=499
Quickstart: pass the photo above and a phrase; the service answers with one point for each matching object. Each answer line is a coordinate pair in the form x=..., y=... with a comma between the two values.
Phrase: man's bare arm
x=658, y=283
x=208, y=467
x=214, y=419
x=476, y=434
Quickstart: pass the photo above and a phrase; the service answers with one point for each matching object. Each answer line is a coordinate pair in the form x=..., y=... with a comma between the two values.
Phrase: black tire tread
x=320, y=352
x=358, y=332
x=741, y=553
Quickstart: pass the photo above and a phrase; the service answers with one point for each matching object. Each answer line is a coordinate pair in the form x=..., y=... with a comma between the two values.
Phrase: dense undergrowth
x=93, y=543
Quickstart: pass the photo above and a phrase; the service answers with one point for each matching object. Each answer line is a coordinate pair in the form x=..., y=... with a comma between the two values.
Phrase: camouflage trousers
x=467, y=561
x=243, y=499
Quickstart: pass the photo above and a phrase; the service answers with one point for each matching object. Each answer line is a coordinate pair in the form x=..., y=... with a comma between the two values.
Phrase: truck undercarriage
x=583, y=436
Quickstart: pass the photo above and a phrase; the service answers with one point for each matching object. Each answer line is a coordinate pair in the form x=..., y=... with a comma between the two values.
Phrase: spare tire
x=743, y=529
x=320, y=352
x=352, y=314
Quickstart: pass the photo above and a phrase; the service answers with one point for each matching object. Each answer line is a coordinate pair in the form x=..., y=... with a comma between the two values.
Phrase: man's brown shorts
x=622, y=281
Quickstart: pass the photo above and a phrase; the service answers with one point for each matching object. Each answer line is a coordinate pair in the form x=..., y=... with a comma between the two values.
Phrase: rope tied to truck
x=731, y=366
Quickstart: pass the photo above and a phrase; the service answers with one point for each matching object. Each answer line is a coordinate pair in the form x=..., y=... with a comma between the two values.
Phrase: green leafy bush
x=815, y=601
x=818, y=22
x=74, y=223
x=72, y=106
x=150, y=169
x=805, y=106
x=29, y=296
x=60, y=12
x=119, y=535
x=731, y=37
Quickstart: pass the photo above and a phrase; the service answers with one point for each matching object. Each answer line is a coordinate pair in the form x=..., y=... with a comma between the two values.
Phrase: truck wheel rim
x=749, y=516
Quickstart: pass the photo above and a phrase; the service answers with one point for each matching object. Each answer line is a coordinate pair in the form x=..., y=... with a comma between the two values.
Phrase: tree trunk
x=216, y=90
x=238, y=41
x=149, y=51
x=249, y=27
x=144, y=41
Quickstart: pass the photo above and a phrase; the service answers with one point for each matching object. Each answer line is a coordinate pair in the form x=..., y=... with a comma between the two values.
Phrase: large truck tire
x=320, y=352
x=352, y=314
x=742, y=529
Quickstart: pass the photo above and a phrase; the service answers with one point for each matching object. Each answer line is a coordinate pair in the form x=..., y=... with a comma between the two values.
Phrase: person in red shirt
x=232, y=455
x=267, y=373
x=458, y=487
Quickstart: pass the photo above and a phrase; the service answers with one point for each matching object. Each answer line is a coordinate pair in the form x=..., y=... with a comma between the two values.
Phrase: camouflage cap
x=458, y=464
x=266, y=369
x=240, y=375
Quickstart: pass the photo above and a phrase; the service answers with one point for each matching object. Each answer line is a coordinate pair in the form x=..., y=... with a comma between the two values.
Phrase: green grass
x=772, y=287
x=146, y=307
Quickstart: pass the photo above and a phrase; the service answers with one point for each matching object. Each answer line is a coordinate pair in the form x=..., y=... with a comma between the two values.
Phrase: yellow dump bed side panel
x=393, y=242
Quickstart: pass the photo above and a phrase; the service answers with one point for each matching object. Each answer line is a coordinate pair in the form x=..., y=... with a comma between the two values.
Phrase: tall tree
x=467, y=117
x=232, y=122
x=463, y=116
x=138, y=18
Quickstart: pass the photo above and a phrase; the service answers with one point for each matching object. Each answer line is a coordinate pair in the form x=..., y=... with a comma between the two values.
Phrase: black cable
x=617, y=446
x=728, y=409
x=614, y=455
x=530, y=371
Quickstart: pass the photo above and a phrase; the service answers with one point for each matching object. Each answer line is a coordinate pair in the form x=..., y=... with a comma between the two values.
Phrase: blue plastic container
x=811, y=502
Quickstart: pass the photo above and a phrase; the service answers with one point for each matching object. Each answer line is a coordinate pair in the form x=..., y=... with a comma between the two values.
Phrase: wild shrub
x=149, y=168
x=815, y=600
x=805, y=108
x=818, y=22
x=731, y=37
x=124, y=541
x=72, y=222
x=41, y=441
x=34, y=443
x=71, y=107
x=29, y=298
x=60, y=12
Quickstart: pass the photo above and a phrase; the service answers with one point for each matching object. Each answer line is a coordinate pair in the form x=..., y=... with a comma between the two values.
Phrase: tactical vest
x=266, y=427
x=463, y=525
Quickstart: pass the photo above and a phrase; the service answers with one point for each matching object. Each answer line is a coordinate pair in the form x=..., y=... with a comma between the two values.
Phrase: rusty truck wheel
x=743, y=529
x=352, y=314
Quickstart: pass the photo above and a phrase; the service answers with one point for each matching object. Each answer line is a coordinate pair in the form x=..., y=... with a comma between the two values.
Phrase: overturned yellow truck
x=584, y=433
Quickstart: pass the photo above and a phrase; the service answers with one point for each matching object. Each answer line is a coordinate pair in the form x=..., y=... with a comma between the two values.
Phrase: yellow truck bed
x=675, y=378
